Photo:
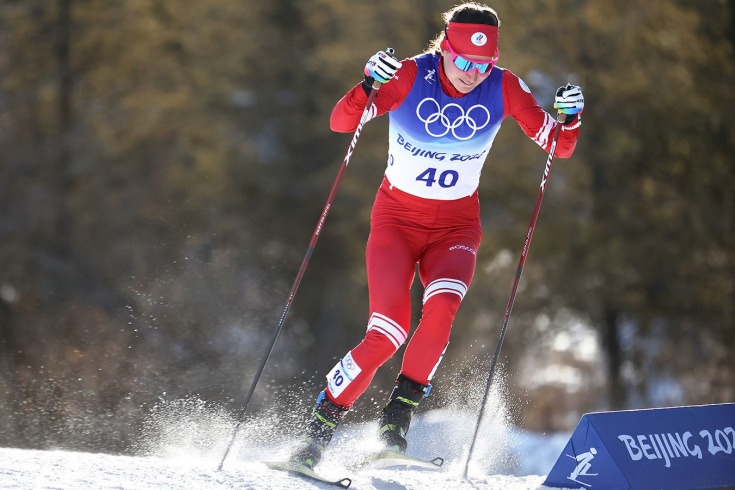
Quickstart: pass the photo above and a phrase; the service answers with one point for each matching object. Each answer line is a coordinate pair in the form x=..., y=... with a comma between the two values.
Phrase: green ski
x=388, y=458
x=306, y=472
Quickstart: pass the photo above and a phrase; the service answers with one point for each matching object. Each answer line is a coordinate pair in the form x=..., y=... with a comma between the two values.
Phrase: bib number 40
x=447, y=178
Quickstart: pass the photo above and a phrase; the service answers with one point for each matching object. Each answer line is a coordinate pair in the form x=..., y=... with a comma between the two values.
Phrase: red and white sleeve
x=346, y=114
x=538, y=124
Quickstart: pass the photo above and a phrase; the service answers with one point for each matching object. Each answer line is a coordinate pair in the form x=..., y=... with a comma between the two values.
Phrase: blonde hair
x=466, y=13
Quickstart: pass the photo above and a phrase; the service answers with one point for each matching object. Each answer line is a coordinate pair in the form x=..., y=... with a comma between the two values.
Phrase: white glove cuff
x=574, y=125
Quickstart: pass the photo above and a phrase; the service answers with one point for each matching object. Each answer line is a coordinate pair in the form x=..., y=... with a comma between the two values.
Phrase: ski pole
x=524, y=253
x=367, y=114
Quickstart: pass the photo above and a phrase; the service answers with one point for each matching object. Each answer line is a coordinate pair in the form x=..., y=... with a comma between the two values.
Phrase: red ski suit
x=441, y=235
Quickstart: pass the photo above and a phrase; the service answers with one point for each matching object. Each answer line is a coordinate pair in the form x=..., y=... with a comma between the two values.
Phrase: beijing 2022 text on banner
x=664, y=448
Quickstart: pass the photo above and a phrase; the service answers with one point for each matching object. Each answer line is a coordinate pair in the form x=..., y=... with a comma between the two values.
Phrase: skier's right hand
x=382, y=66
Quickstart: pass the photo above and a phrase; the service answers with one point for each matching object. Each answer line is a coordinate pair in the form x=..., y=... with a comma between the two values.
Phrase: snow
x=33, y=469
x=181, y=457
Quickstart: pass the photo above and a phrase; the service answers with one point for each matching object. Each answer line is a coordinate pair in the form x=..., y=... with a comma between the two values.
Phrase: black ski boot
x=396, y=416
x=324, y=420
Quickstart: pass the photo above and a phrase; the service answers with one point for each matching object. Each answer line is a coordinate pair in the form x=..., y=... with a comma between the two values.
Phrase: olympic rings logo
x=442, y=117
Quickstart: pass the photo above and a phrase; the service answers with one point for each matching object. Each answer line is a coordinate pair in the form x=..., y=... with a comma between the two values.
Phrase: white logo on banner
x=583, y=466
x=463, y=119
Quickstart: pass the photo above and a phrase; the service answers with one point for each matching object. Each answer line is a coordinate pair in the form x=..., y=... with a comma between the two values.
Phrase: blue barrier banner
x=664, y=448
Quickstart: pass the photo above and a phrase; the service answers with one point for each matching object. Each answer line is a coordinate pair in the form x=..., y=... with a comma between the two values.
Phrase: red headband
x=473, y=39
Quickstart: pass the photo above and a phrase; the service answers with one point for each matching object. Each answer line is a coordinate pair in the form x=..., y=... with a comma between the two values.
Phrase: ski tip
x=388, y=458
x=438, y=462
x=306, y=472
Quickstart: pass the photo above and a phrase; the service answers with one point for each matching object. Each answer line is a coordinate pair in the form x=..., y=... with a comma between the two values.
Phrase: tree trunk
x=62, y=175
x=611, y=342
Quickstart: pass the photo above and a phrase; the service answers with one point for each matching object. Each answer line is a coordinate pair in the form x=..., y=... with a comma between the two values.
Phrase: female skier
x=445, y=108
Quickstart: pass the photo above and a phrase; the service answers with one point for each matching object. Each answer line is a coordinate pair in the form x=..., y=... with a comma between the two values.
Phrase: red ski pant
x=442, y=237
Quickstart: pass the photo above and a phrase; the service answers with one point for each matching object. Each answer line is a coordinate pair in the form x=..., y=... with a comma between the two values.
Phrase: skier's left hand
x=570, y=101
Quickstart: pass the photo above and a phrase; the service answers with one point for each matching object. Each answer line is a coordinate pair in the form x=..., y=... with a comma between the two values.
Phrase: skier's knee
x=386, y=329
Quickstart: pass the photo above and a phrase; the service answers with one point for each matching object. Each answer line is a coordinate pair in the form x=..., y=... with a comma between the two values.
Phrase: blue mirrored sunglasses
x=468, y=65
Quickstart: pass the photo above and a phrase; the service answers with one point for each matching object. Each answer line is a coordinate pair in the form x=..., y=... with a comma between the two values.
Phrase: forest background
x=164, y=165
